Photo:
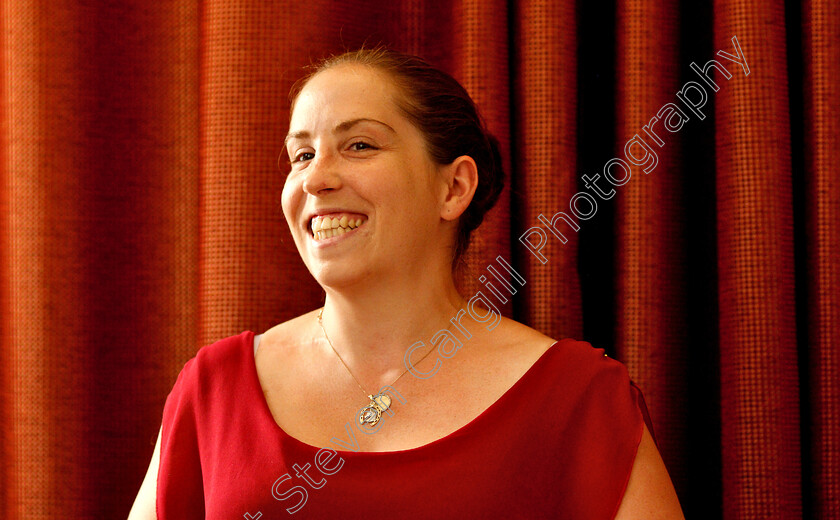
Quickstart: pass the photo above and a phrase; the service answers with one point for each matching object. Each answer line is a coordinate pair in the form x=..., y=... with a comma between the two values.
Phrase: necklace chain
x=321, y=323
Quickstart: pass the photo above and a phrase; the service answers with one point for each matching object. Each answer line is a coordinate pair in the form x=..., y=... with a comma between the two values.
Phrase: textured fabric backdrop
x=141, y=218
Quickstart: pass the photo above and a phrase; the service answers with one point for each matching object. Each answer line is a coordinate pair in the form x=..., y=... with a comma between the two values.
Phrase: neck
x=372, y=324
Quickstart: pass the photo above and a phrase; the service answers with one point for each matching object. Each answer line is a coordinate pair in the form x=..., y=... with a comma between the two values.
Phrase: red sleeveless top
x=559, y=443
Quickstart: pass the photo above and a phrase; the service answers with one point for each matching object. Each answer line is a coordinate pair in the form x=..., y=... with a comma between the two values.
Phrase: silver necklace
x=380, y=402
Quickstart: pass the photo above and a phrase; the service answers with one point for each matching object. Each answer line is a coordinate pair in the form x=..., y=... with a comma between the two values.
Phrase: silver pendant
x=371, y=413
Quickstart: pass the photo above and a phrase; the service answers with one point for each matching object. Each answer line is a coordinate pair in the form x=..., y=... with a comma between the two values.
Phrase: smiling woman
x=391, y=168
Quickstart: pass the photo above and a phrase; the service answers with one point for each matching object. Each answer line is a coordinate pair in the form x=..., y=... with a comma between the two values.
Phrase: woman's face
x=363, y=198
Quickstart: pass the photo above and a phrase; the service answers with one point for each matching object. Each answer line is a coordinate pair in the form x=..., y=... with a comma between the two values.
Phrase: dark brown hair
x=447, y=117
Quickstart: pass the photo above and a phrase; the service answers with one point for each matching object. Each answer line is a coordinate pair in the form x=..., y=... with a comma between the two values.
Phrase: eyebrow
x=341, y=127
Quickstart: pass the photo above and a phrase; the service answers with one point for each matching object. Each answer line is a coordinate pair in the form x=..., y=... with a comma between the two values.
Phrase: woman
x=400, y=397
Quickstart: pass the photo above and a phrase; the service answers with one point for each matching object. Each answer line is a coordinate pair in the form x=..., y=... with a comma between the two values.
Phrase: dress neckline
x=265, y=411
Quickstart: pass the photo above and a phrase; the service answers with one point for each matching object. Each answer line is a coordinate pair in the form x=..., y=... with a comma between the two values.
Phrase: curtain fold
x=821, y=52
x=142, y=161
x=99, y=234
x=758, y=349
x=650, y=245
x=544, y=176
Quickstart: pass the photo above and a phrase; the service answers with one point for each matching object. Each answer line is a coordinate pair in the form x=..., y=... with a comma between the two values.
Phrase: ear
x=461, y=177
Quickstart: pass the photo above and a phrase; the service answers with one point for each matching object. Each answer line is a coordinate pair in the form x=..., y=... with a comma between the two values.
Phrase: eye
x=359, y=146
x=303, y=156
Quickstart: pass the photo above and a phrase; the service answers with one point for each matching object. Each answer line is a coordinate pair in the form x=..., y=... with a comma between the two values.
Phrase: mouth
x=324, y=227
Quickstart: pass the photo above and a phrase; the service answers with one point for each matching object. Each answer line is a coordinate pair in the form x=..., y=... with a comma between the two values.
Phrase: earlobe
x=462, y=181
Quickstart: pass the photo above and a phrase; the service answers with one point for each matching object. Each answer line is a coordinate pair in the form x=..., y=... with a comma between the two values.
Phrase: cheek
x=290, y=199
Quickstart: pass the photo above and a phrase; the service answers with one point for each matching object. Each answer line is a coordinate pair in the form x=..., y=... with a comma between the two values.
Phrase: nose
x=322, y=174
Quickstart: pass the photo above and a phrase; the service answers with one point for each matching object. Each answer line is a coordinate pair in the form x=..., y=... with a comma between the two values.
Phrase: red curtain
x=141, y=218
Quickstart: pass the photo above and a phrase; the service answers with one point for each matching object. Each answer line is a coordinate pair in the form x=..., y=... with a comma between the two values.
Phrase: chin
x=338, y=274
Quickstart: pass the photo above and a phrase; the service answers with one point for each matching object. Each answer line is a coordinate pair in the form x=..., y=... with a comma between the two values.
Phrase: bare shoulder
x=511, y=334
x=292, y=333
x=516, y=331
x=513, y=345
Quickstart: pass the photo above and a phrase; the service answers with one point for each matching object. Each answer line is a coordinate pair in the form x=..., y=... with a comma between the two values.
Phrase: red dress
x=560, y=443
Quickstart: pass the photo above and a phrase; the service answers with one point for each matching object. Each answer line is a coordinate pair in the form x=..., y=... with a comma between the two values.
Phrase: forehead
x=345, y=91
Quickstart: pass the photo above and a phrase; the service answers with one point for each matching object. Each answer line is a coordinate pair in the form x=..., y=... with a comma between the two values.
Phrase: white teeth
x=326, y=227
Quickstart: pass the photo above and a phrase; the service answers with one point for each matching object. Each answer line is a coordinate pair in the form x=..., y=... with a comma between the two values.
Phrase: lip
x=331, y=211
